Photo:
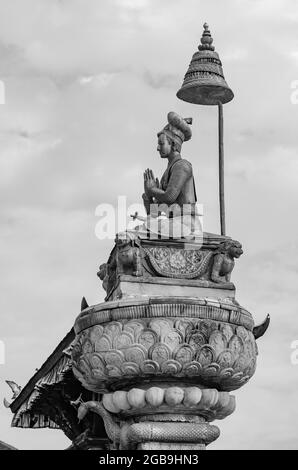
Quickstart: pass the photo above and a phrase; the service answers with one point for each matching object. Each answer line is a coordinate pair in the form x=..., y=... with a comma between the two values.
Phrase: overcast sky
x=88, y=85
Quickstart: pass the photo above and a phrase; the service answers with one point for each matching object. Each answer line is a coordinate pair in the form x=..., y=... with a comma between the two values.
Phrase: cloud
x=133, y=4
x=278, y=169
x=160, y=80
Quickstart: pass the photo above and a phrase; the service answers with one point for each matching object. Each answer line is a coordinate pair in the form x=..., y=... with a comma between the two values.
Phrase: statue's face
x=164, y=147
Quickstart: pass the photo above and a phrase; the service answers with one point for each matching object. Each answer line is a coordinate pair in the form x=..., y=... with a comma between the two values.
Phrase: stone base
x=138, y=266
x=131, y=286
x=130, y=342
x=168, y=344
x=161, y=418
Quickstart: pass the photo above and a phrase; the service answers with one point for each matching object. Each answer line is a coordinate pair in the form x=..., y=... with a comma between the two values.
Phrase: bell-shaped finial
x=204, y=81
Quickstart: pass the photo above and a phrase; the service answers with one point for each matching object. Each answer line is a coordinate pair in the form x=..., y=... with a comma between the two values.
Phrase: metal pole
x=221, y=171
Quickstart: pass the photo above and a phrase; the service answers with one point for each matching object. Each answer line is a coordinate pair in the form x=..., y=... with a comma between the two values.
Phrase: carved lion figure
x=128, y=254
x=224, y=260
x=103, y=275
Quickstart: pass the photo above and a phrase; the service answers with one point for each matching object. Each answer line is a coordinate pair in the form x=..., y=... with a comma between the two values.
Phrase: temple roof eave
x=43, y=372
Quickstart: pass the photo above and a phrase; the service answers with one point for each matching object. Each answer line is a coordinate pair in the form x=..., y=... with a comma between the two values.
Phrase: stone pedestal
x=164, y=352
x=169, y=418
x=129, y=287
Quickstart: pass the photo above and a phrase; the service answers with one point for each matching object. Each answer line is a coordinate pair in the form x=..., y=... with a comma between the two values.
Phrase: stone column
x=164, y=369
x=173, y=417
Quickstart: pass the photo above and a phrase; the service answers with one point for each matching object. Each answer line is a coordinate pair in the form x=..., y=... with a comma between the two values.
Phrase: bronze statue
x=172, y=202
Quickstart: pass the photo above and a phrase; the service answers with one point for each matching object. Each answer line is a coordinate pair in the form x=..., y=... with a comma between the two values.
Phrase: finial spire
x=206, y=40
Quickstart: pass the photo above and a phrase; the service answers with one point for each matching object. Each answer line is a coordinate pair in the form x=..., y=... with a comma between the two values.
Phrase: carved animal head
x=103, y=270
x=231, y=248
x=125, y=239
x=122, y=239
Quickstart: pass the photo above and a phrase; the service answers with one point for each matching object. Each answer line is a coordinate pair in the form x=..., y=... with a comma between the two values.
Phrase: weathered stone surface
x=209, y=352
x=223, y=310
x=190, y=401
x=131, y=287
x=163, y=427
x=144, y=259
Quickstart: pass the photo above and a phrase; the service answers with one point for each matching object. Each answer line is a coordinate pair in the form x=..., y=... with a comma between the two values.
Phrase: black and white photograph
x=149, y=229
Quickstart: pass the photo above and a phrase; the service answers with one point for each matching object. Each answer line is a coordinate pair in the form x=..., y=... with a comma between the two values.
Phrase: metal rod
x=221, y=171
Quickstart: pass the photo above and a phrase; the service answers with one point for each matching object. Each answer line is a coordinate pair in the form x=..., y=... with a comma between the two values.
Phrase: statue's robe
x=178, y=184
x=178, y=202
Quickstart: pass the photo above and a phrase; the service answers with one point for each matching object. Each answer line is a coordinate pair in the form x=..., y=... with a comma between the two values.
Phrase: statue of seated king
x=171, y=203
x=170, y=243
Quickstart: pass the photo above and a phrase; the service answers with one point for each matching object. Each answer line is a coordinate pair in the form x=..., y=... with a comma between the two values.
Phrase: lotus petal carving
x=218, y=353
